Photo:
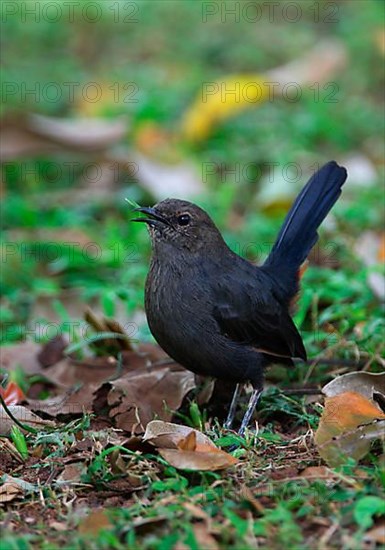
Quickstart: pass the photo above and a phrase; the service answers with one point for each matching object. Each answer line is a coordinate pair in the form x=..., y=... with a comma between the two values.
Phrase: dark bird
x=214, y=312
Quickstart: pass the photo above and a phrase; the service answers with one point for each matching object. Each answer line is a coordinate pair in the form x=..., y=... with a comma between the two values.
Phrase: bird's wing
x=248, y=312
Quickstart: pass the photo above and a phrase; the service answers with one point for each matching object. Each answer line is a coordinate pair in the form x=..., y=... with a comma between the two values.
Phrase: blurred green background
x=139, y=70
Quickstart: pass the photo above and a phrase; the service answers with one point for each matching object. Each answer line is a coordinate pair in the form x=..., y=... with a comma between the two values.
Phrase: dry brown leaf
x=53, y=351
x=24, y=355
x=248, y=495
x=92, y=385
x=345, y=412
x=317, y=472
x=83, y=133
x=31, y=134
x=58, y=525
x=17, y=141
x=364, y=383
x=71, y=473
x=348, y=425
x=168, y=435
x=379, y=38
x=95, y=522
x=186, y=448
x=147, y=525
x=96, y=370
x=188, y=443
x=376, y=535
x=22, y=414
x=198, y=461
x=196, y=511
x=137, y=397
x=354, y=443
x=14, y=487
x=73, y=402
x=9, y=491
x=203, y=537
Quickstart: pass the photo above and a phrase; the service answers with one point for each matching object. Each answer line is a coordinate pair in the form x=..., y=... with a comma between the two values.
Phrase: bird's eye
x=184, y=219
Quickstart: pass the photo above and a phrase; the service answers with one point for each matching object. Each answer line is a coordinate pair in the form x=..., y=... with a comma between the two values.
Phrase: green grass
x=172, y=505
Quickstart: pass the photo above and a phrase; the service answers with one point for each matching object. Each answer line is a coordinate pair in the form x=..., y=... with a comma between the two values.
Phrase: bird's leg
x=250, y=410
x=233, y=406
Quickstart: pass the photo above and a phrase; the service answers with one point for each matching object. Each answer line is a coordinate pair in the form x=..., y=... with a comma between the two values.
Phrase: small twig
x=327, y=535
x=303, y=391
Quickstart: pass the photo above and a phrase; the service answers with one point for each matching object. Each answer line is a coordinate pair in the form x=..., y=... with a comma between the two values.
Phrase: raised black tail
x=299, y=234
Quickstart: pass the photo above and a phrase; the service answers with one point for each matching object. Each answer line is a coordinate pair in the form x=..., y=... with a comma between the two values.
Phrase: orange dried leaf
x=347, y=411
x=186, y=448
x=348, y=425
x=12, y=394
x=381, y=249
x=188, y=443
x=193, y=460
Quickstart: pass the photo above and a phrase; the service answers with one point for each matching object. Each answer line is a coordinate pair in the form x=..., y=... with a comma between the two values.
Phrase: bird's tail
x=299, y=234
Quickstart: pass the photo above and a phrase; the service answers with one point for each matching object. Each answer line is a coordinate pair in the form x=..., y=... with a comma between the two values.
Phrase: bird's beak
x=153, y=216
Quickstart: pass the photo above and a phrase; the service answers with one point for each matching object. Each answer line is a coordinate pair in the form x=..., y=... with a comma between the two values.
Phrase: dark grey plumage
x=213, y=311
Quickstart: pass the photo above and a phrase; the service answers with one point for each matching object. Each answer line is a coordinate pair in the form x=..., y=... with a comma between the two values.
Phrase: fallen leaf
x=29, y=135
x=348, y=410
x=168, y=435
x=22, y=414
x=186, y=448
x=58, y=526
x=364, y=383
x=52, y=351
x=24, y=355
x=147, y=525
x=361, y=169
x=75, y=401
x=348, y=425
x=69, y=373
x=135, y=398
x=317, y=65
x=162, y=180
x=248, y=495
x=379, y=38
x=71, y=474
x=14, y=487
x=97, y=384
x=18, y=142
x=11, y=394
x=317, y=472
x=203, y=537
x=9, y=491
x=376, y=535
x=198, y=461
x=188, y=443
x=369, y=249
x=196, y=511
x=87, y=134
x=94, y=522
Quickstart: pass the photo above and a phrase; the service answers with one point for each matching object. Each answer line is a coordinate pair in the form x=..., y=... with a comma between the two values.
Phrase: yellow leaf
x=220, y=100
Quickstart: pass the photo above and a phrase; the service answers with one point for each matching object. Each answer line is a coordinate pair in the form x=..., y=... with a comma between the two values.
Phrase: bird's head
x=177, y=224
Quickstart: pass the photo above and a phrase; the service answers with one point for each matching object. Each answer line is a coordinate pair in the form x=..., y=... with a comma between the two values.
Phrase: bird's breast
x=178, y=309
